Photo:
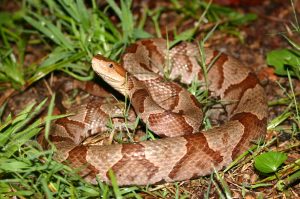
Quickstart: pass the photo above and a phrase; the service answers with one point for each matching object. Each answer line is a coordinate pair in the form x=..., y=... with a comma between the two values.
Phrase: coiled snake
x=184, y=152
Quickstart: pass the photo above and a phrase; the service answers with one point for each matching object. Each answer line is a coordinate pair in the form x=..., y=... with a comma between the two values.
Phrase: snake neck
x=123, y=88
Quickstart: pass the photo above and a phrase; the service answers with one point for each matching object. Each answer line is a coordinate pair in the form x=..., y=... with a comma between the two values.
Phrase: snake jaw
x=111, y=72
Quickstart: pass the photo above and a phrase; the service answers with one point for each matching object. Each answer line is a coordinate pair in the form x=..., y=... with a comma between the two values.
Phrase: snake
x=154, y=77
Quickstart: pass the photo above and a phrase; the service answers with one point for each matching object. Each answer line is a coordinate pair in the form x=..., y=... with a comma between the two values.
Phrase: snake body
x=170, y=111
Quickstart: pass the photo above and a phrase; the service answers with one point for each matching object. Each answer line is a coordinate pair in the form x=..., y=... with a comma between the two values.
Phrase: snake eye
x=110, y=65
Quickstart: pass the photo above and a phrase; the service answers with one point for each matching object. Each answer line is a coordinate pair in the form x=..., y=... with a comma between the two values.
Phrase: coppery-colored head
x=111, y=72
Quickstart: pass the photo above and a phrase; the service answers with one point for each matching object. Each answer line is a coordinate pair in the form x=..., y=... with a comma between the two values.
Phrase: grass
x=71, y=34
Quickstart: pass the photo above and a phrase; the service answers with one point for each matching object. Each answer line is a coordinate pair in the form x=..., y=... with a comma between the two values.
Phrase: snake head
x=111, y=72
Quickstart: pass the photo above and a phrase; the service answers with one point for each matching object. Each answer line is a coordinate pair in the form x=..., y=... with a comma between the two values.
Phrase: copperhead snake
x=170, y=111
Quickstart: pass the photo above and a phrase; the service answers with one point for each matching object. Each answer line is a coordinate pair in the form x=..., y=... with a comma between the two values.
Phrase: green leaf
x=125, y=15
x=50, y=30
x=183, y=36
x=10, y=165
x=284, y=59
x=6, y=19
x=114, y=184
x=239, y=19
x=115, y=7
x=141, y=34
x=292, y=43
x=269, y=162
x=235, y=18
x=57, y=55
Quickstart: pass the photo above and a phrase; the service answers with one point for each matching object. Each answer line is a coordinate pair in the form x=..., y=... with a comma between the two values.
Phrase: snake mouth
x=108, y=78
x=118, y=84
